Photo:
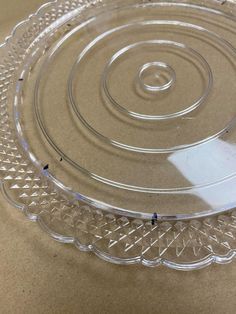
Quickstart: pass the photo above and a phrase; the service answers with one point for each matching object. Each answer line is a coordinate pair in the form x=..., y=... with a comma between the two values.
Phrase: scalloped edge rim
x=207, y=261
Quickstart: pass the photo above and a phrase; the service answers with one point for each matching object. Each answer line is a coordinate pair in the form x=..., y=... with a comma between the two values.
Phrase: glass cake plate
x=118, y=128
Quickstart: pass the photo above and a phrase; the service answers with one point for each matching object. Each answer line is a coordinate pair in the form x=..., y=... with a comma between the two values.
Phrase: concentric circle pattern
x=112, y=111
x=161, y=76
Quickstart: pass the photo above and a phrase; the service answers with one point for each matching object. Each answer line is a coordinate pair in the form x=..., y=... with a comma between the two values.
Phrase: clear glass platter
x=117, y=123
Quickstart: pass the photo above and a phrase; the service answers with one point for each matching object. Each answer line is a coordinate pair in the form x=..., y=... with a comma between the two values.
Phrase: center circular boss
x=156, y=77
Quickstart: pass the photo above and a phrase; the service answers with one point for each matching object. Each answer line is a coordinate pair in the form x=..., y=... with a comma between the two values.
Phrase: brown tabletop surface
x=39, y=275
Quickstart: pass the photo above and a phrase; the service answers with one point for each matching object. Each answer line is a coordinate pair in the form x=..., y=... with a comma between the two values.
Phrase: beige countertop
x=39, y=275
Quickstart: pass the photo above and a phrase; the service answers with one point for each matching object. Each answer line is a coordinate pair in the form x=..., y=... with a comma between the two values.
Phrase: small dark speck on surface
x=69, y=25
x=46, y=167
x=223, y=2
x=20, y=79
x=61, y=159
x=227, y=131
x=55, y=255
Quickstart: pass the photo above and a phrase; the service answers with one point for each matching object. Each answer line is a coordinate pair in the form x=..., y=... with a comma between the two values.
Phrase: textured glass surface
x=117, y=123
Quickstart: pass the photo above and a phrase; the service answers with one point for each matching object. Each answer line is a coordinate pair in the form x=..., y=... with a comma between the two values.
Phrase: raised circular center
x=156, y=76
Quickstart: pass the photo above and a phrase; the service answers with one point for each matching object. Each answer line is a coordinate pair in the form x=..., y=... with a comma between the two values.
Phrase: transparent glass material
x=117, y=123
